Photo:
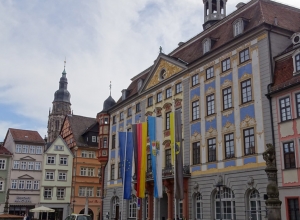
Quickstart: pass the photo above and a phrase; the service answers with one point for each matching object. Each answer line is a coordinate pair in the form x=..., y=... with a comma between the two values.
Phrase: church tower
x=214, y=10
x=61, y=106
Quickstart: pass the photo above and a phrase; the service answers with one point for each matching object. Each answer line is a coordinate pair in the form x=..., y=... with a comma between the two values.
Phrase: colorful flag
x=172, y=135
x=178, y=156
x=126, y=151
x=143, y=160
x=155, y=138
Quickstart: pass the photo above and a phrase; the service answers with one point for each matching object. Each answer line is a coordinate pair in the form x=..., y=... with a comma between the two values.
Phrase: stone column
x=273, y=203
x=185, y=199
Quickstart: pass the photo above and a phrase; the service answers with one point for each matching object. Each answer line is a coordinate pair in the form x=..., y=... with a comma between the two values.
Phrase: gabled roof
x=4, y=151
x=26, y=136
x=52, y=145
x=79, y=124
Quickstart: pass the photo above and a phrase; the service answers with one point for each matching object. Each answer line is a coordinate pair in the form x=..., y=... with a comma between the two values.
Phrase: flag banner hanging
x=155, y=138
x=142, y=187
x=138, y=153
x=178, y=156
x=126, y=154
x=172, y=136
x=134, y=141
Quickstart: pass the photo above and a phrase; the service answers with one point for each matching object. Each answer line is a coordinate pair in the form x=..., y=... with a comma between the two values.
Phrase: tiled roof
x=3, y=150
x=256, y=12
x=79, y=124
x=26, y=136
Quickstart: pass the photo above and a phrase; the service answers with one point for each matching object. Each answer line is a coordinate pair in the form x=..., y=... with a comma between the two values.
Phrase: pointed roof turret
x=62, y=94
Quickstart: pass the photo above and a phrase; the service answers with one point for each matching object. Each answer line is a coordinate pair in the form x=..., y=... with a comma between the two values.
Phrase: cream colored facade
x=57, y=178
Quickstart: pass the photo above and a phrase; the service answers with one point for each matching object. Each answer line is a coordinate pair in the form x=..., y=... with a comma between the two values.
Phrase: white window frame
x=19, y=148
x=206, y=44
x=30, y=165
x=82, y=191
x=132, y=207
x=25, y=149
x=62, y=176
x=49, y=175
x=37, y=165
x=48, y=193
x=90, y=171
x=36, y=184
x=238, y=27
x=227, y=197
x=1, y=185
x=94, y=139
x=23, y=165
x=51, y=159
x=38, y=150
x=60, y=193
x=254, y=205
x=28, y=184
x=14, y=184
x=84, y=154
x=115, y=202
x=16, y=164
x=91, y=154
x=98, y=194
x=21, y=184
x=63, y=161
x=294, y=56
x=2, y=164
x=32, y=149
x=198, y=207
x=90, y=191
x=83, y=171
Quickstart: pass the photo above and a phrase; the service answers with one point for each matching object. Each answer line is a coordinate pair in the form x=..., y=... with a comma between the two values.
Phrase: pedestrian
x=25, y=217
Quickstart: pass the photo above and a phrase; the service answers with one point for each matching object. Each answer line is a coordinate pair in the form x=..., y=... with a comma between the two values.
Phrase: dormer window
x=140, y=83
x=206, y=45
x=238, y=27
x=162, y=74
x=296, y=62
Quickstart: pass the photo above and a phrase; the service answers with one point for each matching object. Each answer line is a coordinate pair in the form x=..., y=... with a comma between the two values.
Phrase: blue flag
x=152, y=139
x=126, y=151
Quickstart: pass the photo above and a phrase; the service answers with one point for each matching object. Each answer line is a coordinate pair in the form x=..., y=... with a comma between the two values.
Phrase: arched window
x=115, y=207
x=198, y=207
x=255, y=208
x=225, y=204
x=132, y=206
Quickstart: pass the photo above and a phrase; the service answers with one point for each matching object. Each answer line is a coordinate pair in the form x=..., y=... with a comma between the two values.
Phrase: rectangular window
x=285, y=109
x=246, y=91
x=18, y=148
x=104, y=142
x=14, y=184
x=159, y=97
x=28, y=184
x=49, y=175
x=98, y=191
x=25, y=149
x=249, y=144
x=229, y=146
x=121, y=116
x=168, y=158
x=62, y=176
x=60, y=193
x=21, y=184
x=84, y=154
x=195, y=80
x=63, y=161
x=36, y=184
x=112, y=172
x=2, y=164
x=16, y=164
x=30, y=165
x=83, y=171
x=47, y=193
x=150, y=101
x=293, y=209
x=137, y=107
x=1, y=185
x=289, y=155
x=113, y=141
x=210, y=103
x=298, y=104
x=119, y=170
x=59, y=147
x=38, y=150
x=196, y=153
x=90, y=171
x=209, y=73
x=23, y=165
x=114, y=119
x=168, y=121
x=90, y=191
x=297, y=64
x=51, y=160
x=178, y=88
x=94, y=139
x=92, y=153
x=168, y=92
x=226, y=65
x=32, y=149
x=82, y=191
x=227, y=98
x=195, y=110
x=149, y=163
x=129, y=112
x=37, y=165
x=244, y=55
x=212, y=150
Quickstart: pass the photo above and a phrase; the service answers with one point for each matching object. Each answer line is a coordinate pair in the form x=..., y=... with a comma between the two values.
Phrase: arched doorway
x=115, y=208
x=90, y=213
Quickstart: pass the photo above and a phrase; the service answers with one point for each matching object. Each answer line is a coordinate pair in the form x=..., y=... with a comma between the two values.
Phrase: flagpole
x=173, y=110
x=155, y=199
x=124, y=175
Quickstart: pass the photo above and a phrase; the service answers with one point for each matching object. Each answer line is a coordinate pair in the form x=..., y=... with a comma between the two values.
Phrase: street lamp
x=219, y=187
x=102, y=196
x=73, y=205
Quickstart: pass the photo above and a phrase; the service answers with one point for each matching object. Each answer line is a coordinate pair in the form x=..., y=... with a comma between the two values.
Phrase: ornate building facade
x=218, y=79
x=61, y=106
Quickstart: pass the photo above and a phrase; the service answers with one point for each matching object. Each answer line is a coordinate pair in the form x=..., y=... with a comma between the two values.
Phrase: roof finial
x=65, y=62
x=160, y=49
x=110, y=88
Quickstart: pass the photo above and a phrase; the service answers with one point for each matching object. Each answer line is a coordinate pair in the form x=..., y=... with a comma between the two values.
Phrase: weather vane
x=65, y=62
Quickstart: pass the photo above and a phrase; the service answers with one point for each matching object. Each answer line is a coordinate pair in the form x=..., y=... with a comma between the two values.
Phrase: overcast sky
x=103, y=41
